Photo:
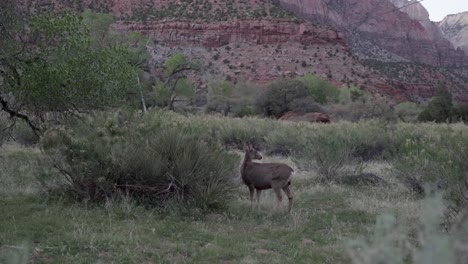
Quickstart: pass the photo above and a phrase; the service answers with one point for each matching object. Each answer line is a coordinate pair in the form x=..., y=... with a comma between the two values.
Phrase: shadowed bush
x=24, y=135
x=280, y=95
x=152, y=161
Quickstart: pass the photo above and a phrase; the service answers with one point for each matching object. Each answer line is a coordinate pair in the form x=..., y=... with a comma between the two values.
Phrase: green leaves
x=174, y=63
x=73, y=69
x=323, y=92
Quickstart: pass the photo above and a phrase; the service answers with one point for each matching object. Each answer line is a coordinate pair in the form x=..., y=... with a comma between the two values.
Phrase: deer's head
x=251, y=152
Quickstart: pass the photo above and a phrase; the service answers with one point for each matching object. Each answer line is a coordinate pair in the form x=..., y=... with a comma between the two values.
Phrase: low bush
x=24, y=135
x=239, y=132
x=439, y=165
x=3, y=130
x=153, y=160
x=421, y=241
x=327, y=151
x=229, y=99
x=305, y=105
x=286, y=141
x=407, y=111
x=364, y=107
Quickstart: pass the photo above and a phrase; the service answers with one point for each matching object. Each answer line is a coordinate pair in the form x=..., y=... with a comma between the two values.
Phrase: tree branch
x=14, y=114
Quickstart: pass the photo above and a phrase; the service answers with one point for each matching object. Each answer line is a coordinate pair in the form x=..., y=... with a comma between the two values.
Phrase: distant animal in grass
x=314, y=117
x=263, y=176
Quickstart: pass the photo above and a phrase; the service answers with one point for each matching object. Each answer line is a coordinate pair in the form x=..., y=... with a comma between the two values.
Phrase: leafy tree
x=175, y=82
x=460, y=112
x=321, y=91
x=351, y=94
x=440, y=107
x=227, y=98
x=279, y=96
x=62, y=68
x=220, y=97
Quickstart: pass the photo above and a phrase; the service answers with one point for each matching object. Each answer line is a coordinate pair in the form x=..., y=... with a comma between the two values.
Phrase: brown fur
x=262, y=176
x=313, y=117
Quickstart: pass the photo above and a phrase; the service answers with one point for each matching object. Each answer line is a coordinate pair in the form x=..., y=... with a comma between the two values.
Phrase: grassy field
x=324, y=218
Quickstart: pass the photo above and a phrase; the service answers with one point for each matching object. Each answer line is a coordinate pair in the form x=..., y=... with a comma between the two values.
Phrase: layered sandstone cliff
x=257, y=41
x=217, y=34
x=406, y=32
x=455, y=29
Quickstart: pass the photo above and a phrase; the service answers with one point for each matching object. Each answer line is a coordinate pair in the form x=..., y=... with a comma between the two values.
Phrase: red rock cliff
x=221, y=33
x=381, y=22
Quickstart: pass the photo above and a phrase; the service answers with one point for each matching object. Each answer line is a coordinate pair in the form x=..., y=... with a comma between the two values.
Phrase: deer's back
x=264, y=175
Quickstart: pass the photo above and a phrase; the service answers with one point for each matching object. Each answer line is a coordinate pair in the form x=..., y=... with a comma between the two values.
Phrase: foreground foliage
x=112, y=153
x=121, y=154
x=63, y=63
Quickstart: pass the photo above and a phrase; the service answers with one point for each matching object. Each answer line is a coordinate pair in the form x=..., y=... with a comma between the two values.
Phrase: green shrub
x=422, y=241
x=439, y=108
x=229, y=99
x=236, y=134
x=279, y=95
x=305, y=105
x=364, y=107
x=440, y=164
x=151, y=159
x=24, y=135
x=460, y=112
x=3, y=130
x=407, y=111
x=327, y=151
x=285, y=141
x=351, y=94
x=321, y=91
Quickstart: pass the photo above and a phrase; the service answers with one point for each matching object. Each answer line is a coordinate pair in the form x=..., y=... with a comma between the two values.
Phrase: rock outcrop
x=455, y=29
x=406, y=32
x=217, y=34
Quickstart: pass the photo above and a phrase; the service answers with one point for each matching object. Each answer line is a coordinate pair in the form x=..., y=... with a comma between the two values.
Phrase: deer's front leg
x=252, y=190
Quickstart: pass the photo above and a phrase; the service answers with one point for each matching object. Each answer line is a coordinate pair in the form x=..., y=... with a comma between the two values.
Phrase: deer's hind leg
x=251, y=190
x=279, y=198
x=290, y=197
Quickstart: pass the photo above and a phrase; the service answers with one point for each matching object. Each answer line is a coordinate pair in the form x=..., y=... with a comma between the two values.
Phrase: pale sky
x=438, y=9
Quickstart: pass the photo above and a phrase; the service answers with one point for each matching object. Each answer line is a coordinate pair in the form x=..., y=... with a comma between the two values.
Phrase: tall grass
x=424, y=241
x=431, y=153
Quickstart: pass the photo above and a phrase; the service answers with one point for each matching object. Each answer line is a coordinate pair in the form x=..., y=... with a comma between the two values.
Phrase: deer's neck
x=247, y=160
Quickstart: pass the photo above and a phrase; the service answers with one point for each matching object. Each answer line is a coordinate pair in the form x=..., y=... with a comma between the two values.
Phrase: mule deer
x=262, y=176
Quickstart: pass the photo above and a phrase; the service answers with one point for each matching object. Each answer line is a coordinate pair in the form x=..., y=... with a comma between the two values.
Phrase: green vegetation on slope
x=208, y=10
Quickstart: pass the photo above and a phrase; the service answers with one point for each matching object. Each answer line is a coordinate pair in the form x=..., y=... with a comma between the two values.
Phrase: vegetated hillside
x=258, y=41
x=391, y=35
x=143, y=10
x=417, y=80
x=455, y=28
x=260, y=51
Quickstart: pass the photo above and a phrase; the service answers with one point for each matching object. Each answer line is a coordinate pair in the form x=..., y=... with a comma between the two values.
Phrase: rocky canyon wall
x=406, y=32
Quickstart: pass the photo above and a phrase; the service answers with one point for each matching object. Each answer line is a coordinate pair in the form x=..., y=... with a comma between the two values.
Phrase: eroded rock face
x=217, y=34
x=407, y=32
x=455, y=29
